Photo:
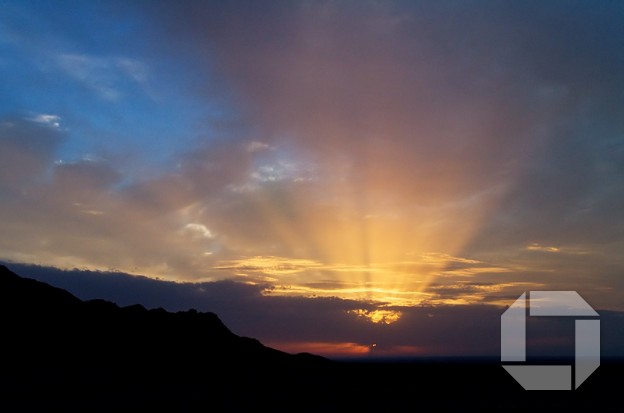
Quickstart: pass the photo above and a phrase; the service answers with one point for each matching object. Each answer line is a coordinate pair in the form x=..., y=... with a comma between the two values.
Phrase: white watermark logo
x=586, y=335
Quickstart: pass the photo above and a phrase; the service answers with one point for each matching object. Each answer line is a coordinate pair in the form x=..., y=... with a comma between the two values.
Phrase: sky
x=325, y=175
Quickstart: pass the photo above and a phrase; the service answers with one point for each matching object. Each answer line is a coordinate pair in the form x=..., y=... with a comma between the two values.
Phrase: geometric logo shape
x=586, y=340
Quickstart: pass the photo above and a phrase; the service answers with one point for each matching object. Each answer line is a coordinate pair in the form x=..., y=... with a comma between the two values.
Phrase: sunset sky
x=324, y=175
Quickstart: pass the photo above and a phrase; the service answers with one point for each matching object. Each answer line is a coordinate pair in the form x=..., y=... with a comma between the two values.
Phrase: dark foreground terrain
x=62, y=354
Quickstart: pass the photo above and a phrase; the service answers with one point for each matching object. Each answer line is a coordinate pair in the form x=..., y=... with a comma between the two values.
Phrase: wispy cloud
x=53, y=121
x=552, y=249
x=541, y=248
x=199, y=229
x=105, y=76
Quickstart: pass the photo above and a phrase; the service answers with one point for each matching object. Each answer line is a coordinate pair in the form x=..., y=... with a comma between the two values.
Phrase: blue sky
x=91, y=68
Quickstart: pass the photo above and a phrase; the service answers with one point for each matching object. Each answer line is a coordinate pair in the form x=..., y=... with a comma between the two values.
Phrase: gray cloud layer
x=471, y=330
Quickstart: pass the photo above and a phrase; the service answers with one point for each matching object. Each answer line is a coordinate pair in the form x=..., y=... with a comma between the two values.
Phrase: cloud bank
x=335, y=327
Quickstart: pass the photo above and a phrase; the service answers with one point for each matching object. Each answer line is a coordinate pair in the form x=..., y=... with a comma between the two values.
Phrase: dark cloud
x=571, y=191
x=28, y=149
x=466, y=330
x=87, y=174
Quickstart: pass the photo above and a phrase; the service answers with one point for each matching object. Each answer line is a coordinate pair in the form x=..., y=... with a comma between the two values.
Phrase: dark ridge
x=58, y=350
x=62, y=354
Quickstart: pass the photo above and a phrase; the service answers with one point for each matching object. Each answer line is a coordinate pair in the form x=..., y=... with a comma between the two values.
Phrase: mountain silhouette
x=60, y=353
x=44, y=316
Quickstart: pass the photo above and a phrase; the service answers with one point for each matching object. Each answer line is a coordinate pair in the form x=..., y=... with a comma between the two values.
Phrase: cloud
x=332, y=326
x=433, y=105
x=379, y=316
x=537, y=247
x=199, y=229
x=470, y=122
x=69, y=213
x=268, y=265
x=27, y=148
x=105, y=76
x=291, y=237
x=88, y=177
x=53, y=121
x=255, y=146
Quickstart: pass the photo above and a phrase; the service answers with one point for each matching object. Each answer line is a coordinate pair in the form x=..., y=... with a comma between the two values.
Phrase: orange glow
x=362, y=231
x=326, y=349
x=350, y=349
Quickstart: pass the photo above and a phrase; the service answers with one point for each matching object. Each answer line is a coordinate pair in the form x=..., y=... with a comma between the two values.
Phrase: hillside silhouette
x=60, y=353
x=59, y=350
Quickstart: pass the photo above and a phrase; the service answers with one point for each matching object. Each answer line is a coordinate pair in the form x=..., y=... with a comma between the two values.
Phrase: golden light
x=364, y=233
x=378, y=316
